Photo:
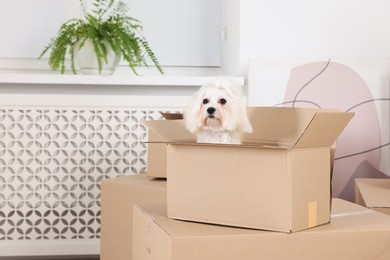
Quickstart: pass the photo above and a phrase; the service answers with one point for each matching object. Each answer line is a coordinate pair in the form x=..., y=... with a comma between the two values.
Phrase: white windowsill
x=39, y=89
x=56, y=79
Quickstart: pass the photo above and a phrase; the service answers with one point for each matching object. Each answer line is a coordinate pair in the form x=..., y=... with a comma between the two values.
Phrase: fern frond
x=72, y=63
x=151, y=54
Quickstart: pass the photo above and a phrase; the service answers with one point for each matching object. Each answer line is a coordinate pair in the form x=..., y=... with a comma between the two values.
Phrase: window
x=180, y=32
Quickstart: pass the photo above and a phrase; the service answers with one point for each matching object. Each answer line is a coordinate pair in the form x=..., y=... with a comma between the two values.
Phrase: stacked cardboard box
x=118, y=197
x=278, y=179
x=355, y=232
x=373, y=193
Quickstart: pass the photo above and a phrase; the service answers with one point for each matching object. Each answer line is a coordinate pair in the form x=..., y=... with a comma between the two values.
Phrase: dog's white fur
x=217, y=113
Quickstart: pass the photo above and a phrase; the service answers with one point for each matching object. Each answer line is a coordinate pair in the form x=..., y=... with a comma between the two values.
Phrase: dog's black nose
x=211, y=110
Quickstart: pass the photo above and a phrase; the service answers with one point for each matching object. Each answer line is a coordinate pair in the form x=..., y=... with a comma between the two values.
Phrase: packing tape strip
x=312, y=214
x=149, y=236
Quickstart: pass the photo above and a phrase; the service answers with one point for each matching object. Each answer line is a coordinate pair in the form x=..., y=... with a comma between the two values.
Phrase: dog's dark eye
x=222, y=101
x=205, y=101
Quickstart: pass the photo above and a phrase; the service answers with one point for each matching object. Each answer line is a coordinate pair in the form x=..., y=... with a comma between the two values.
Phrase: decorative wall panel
x=52, y=161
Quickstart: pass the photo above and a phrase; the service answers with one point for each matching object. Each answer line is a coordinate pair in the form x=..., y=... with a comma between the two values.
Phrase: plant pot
x=87, y=61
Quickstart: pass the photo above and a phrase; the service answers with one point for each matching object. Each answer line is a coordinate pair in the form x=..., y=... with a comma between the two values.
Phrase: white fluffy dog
x=217, y=114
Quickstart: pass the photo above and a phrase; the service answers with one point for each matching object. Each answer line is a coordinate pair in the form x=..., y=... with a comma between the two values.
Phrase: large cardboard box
x=118, y=197
x=157, y=149
x=373, y=193
x=354, y=233
x=278, y=179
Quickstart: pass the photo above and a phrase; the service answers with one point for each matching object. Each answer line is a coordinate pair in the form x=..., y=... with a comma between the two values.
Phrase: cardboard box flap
x=170, y=130
x=324, y=129
x=279, y=126
x=375, y=192
x=295, y=127
x=172, y=116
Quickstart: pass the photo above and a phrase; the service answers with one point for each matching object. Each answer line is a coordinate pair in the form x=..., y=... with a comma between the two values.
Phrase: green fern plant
x=108, y=22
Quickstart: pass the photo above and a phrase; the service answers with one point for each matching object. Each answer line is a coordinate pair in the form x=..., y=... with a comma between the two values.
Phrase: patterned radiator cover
x=52, y=161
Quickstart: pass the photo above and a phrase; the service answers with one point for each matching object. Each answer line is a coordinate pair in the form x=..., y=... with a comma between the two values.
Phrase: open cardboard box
x=278, y=179
x=157, y=149
x=373, y=194
x=354, y=233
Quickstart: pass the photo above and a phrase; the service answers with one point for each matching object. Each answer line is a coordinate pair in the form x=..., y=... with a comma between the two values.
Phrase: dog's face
x=214, y=107
x=219, y=106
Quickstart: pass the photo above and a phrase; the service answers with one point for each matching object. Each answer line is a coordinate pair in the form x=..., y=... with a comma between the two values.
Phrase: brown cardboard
x=274, y=126
x=278, y=179
x=373, y=193
x=295, y=127
x=118, y=197
x=354, y=233
x=157, y=154
x=271, y=189
x=172, y=116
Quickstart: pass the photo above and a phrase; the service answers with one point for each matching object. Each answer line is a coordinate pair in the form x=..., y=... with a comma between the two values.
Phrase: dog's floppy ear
x=245, y=124
x=239, y=110
x=191, y=113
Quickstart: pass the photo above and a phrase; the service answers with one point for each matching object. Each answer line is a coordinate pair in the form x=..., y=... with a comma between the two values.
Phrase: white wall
x=306, y=29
